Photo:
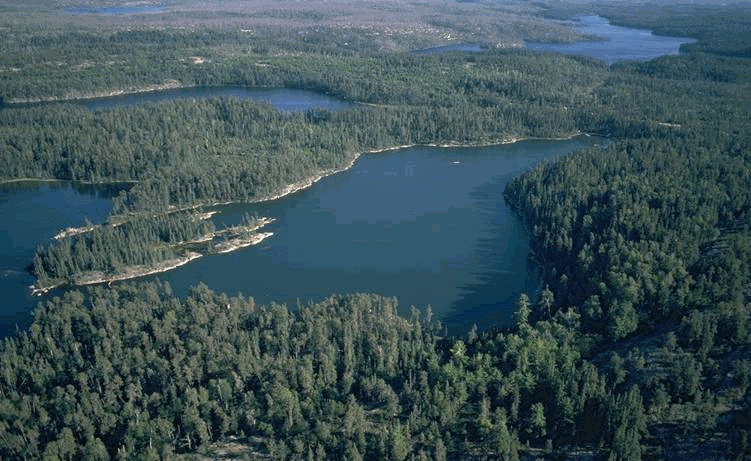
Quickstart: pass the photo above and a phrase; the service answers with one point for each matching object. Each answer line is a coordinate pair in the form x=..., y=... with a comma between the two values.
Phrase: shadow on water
x=33, y=212
x=502, y=262
x=102, y=191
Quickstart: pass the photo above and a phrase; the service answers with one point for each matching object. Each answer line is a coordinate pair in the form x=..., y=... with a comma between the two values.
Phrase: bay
x=428, y=225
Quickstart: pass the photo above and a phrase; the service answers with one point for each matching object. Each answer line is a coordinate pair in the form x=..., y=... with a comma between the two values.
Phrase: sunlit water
x=621, y=43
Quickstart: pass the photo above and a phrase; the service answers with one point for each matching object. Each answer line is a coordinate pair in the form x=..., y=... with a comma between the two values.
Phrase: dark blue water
x=284, y=99
x=457, y=47
x=31, y=213
x=425, y=224
x=621, y=43
x=428, y=225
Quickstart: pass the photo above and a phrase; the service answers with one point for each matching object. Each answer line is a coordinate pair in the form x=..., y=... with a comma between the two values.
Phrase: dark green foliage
x=133, y=371
x=641, y=331
x=722, y=31
x=143, y=240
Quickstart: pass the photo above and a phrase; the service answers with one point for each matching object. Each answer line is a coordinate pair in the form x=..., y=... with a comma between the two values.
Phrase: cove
x=621, y=43
x=428, y=225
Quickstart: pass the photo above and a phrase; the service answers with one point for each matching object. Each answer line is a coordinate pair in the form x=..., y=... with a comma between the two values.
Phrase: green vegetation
x=721, y=31
x=638, y=346
x=111, y=249
x=343, y=378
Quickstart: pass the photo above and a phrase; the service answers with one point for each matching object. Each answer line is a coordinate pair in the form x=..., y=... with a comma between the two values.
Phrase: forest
x=637, y=347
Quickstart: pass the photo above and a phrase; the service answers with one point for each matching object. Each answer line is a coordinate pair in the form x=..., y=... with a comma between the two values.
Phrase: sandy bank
x=92, y=278
x=237, y=243
x=172, y=84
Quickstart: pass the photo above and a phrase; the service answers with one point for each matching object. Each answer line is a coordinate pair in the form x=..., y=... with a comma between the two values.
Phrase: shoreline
x=308, y=182
x=287, y=190
x=261, y=222
x=238, y=243
x=311, y=180
x=72, y=181
x=131, y=272
x=171, y=85
x=136, y=271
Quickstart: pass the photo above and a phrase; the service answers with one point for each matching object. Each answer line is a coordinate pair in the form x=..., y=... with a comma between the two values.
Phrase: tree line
x=134, y=372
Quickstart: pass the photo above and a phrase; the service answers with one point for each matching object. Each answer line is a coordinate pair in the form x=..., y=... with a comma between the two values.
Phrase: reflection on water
x=501, y=272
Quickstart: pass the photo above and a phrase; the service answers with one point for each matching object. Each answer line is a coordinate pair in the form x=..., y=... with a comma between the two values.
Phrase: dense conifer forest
x=637, y=347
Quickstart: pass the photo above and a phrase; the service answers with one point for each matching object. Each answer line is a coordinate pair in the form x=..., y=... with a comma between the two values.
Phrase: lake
x=283, y=99
x=425, y=224
x=428, y=225
x=453, y=48
x=621, y=43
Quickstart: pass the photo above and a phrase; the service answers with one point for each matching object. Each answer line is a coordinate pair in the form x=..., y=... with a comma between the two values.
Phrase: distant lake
x=428, y=225
x=456, y=47
x=621, y=43
x=284, y=99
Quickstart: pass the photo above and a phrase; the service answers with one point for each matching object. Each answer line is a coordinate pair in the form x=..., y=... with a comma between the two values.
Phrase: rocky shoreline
x=239, y=237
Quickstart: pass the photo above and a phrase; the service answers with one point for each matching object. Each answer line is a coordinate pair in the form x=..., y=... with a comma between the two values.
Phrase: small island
x=137, y=247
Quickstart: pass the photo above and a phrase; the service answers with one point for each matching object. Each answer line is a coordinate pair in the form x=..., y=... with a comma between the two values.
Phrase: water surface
x=31, y=213
x=456, y=47
x=428, y=225
x=284, y=99
x=621, y=43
